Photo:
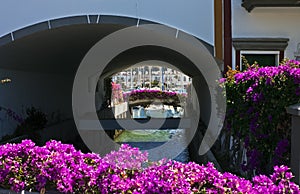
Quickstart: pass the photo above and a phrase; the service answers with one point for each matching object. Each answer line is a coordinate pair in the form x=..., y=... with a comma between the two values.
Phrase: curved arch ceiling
x=58, y=46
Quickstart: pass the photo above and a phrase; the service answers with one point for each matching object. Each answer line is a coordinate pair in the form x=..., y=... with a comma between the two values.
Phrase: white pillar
x=181, y=81
x=150, y=73
x=294, y=110
x=161, y=77
x=131, y=86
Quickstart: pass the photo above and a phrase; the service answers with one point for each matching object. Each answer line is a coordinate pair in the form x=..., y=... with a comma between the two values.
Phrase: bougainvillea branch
x=11, y=114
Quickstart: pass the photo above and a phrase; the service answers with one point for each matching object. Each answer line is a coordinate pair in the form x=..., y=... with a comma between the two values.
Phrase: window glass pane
x=261, y=59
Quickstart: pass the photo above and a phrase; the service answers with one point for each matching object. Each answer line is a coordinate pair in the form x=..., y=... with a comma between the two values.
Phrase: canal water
x=149, y=139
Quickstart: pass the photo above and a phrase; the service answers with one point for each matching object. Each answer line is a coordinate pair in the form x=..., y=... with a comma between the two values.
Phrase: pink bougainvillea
x=60, y=167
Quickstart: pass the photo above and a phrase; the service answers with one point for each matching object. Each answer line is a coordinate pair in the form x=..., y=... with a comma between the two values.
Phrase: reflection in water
x=149, y=139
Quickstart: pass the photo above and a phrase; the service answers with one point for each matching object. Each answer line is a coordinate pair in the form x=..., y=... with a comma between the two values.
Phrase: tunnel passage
x=44, y=59
x=156, y=53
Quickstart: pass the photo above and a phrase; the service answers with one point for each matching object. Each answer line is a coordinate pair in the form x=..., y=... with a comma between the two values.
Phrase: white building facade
x=265, y=28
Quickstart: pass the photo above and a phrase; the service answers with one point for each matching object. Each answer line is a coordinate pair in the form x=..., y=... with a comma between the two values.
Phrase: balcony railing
x=249, y=5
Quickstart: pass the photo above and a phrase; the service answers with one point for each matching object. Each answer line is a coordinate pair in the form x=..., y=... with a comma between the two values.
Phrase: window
x=263, y=58
x=265, y=51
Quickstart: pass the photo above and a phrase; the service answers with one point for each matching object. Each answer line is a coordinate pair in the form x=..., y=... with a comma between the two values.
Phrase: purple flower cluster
x=278, y=182
x=127, y=158
x=289, y=68
x=280, y=150
x=269, y=76
x=59, y=166
x=151, y=94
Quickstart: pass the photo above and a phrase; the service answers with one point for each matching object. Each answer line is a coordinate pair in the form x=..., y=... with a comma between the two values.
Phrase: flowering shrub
x=167, y=98
x=35, y=121
x=116, y=96
x=59, y=166
x=11, y=114
x=256, y=117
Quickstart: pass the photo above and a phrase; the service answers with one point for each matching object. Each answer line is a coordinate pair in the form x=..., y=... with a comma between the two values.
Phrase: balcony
x=249, y=5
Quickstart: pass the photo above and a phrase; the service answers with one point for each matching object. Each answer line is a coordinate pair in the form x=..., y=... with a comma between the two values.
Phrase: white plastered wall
x=267, y=23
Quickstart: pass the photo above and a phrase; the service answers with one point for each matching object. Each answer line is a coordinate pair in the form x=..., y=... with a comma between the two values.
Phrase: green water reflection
x=144, y=136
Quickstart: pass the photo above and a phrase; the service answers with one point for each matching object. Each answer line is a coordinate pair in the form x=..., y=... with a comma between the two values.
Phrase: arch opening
x=42, y=63
x=164, y=57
